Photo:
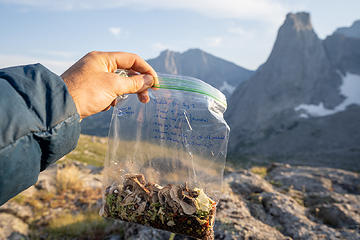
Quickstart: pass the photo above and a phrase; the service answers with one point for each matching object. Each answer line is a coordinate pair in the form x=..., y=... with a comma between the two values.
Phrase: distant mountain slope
x=222, y=74
x=344, y=52
x=353, y=31
x=302, y=104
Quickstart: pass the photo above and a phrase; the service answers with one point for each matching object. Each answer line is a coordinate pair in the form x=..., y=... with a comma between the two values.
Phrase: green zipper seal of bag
x=190, y=84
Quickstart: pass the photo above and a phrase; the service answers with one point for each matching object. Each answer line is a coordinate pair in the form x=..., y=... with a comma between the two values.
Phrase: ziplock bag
x=165, y=159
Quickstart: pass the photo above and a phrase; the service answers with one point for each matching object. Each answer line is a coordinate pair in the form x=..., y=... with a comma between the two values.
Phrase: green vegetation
x=90, y=150
x=87, y=225
x=172, y=236
x=227, y=225
x=20, y=199
x=255, y=198
x=276, y=183
x=82, y=224
x=68, y=179
x=69, y=210
x=261, y=171
x=298, y=196
x=299, y=199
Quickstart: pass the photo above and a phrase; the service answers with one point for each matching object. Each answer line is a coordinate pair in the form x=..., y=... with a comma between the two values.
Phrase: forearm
x=39, y=124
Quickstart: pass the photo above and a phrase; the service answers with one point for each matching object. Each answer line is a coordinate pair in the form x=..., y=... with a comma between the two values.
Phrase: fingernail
x=148, y=80
x=143, y=98
x=146, y=99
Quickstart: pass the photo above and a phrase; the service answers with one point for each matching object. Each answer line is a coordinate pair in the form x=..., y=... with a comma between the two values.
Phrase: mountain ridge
x=271, y=114
x=353, y=31
x=220, y=73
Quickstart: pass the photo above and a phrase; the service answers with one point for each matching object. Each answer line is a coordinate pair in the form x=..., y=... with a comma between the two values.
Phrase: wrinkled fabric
x=39, y=124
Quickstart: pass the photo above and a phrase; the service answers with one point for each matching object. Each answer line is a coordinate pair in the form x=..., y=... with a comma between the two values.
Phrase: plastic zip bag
x=165, y=159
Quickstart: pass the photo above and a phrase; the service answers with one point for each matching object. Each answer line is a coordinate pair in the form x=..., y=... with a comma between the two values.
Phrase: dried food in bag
x=165, y=160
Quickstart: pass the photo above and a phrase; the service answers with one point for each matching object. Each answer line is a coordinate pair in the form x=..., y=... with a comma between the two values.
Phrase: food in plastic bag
x=165, y=160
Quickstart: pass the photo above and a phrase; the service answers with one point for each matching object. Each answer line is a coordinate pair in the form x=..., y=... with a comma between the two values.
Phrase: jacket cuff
x=63, y=130
x=54, y=109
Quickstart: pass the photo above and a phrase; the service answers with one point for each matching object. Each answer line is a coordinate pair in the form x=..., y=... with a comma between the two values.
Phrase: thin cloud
x=262, y=10
x=237, y=30
x=214, y=41
x=55, y=53
x=9, y=60
x=116, y=31
x=160, y=46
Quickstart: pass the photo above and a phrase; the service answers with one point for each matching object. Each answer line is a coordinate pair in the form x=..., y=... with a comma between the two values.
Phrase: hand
x=94, y=86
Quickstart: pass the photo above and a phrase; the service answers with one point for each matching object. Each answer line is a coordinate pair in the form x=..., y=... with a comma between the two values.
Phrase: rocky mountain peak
x=168, y=57
x=299, y=21
x=194, y=51
x=264, y=112
x=167, y=52
x=297, y=63
x=296, y=39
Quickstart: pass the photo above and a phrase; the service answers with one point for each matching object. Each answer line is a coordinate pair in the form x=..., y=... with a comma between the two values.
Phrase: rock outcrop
x=289, y=203
x=286, y=202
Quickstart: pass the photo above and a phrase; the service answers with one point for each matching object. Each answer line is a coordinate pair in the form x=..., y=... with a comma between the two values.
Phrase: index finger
x=124, y=60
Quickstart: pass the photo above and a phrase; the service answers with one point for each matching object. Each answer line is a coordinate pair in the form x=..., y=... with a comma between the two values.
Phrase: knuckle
x=135, y=56
x=132, y=58
x=137, y=83
x=93, y=53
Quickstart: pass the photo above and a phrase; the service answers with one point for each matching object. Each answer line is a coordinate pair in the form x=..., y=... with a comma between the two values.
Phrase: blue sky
x=57, y=33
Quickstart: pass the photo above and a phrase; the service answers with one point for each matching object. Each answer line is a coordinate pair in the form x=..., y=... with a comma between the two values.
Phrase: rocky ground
x=278, y=202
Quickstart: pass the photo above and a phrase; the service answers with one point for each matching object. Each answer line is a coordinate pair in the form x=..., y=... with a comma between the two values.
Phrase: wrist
x=70, y=90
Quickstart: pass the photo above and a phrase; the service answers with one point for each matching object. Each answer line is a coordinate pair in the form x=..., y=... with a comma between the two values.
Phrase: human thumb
x=134, y=84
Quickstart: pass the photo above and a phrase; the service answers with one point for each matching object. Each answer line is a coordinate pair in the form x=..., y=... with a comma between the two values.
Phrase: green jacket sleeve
x=38, y=125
